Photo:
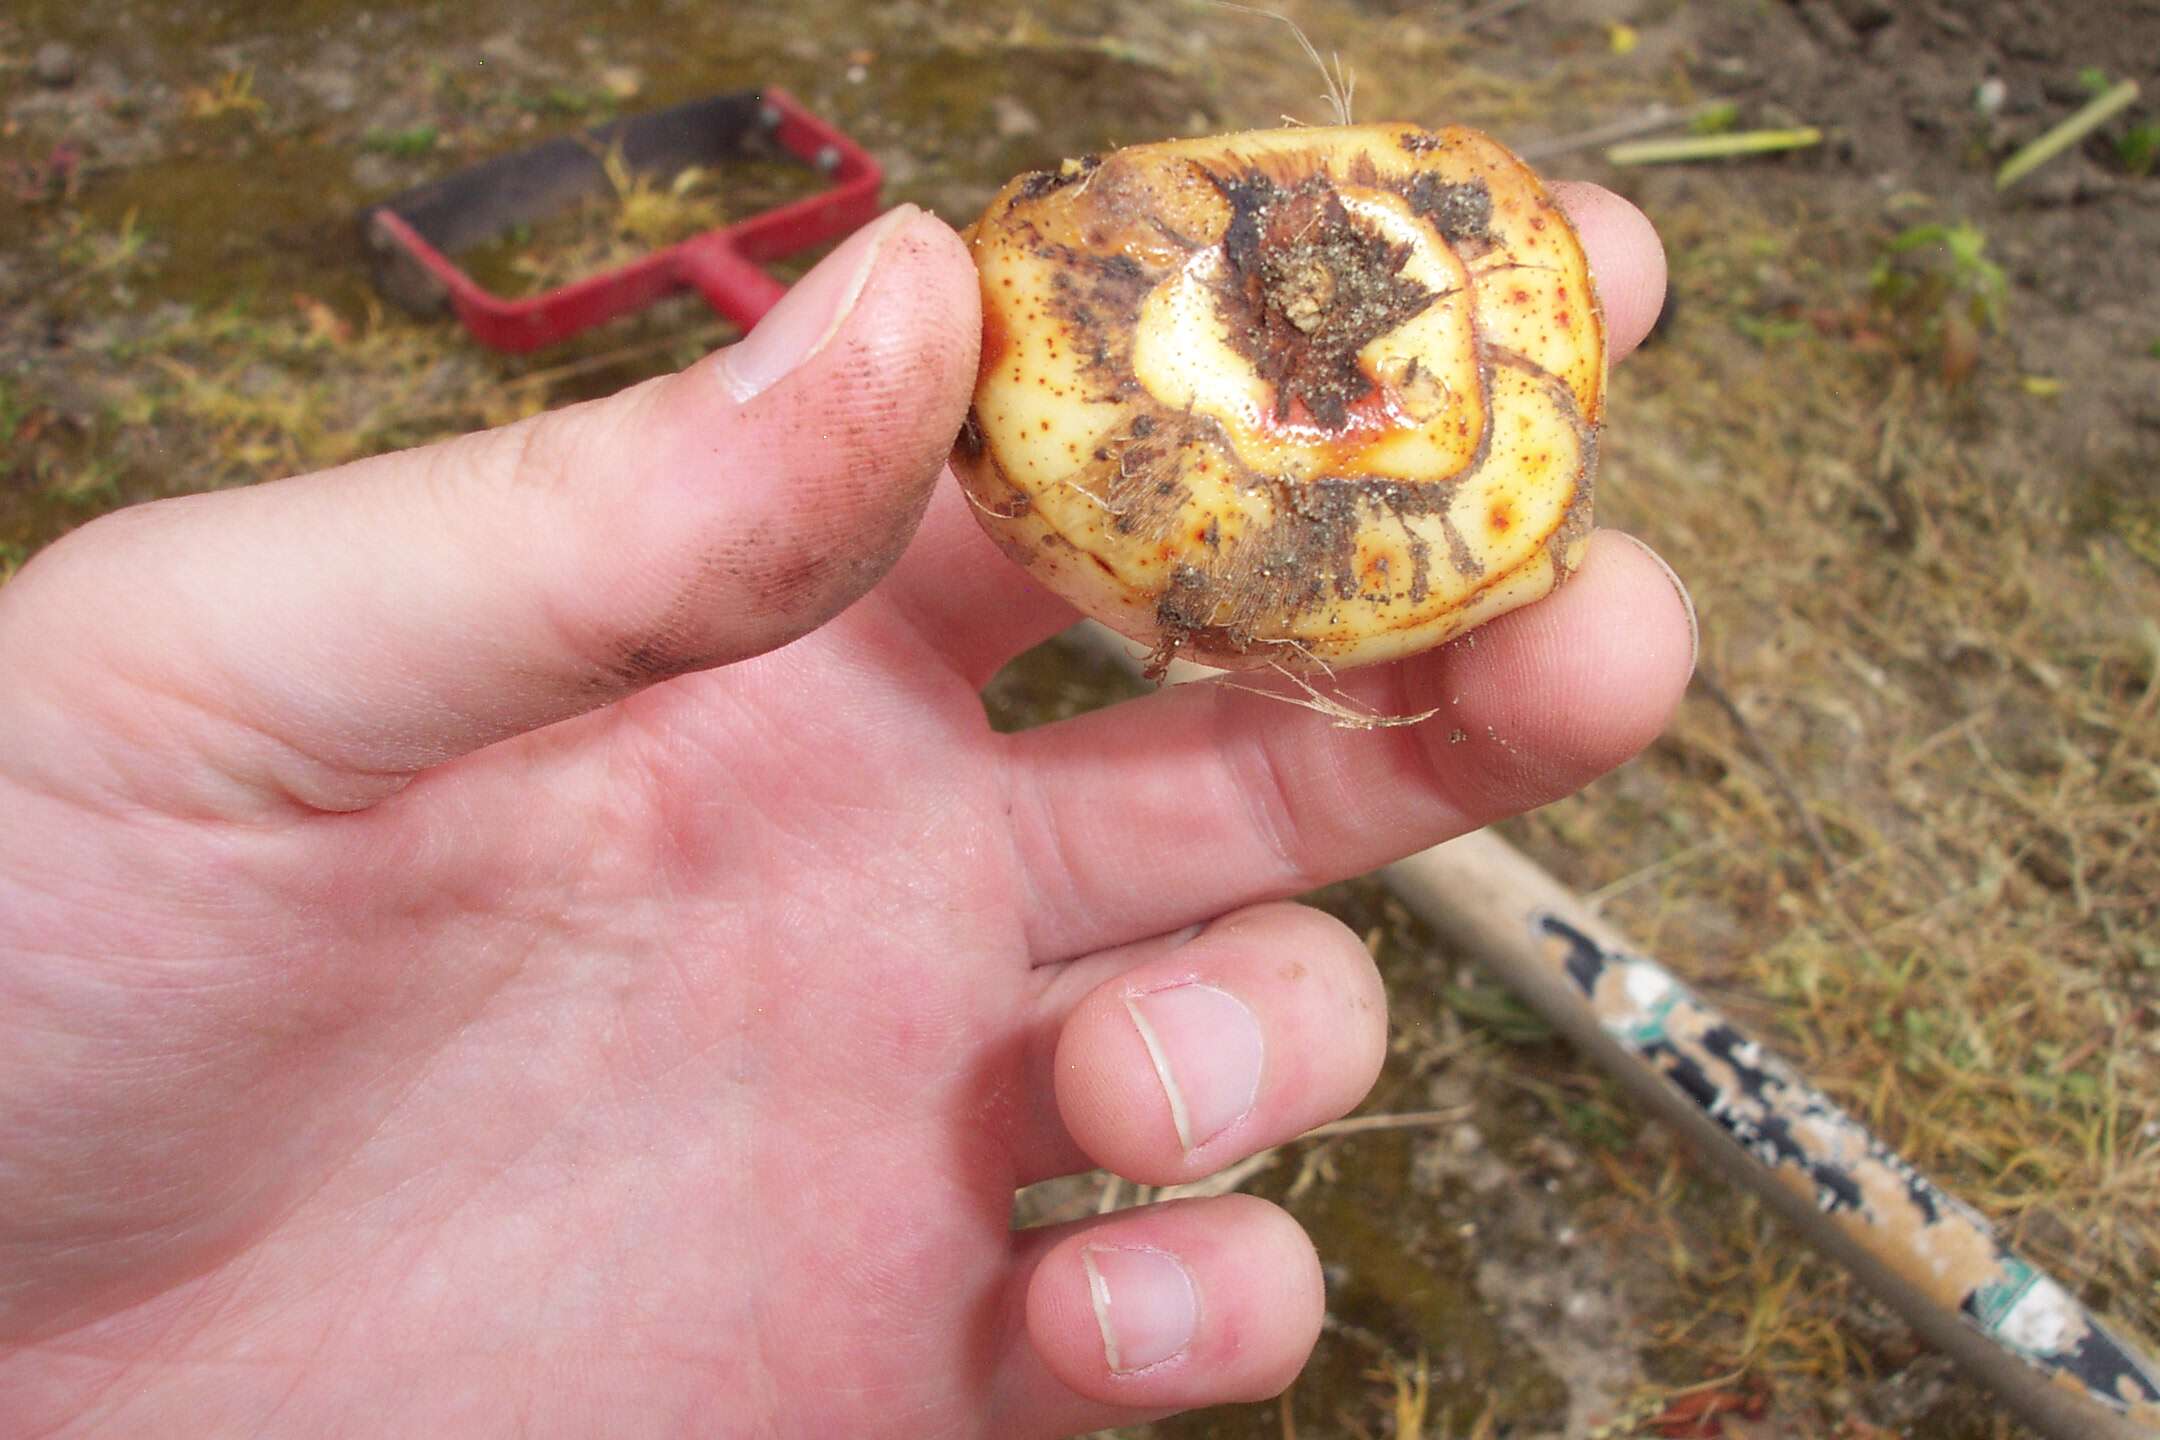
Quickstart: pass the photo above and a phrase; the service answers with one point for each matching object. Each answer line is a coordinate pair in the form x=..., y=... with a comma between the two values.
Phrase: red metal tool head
x=414, y=236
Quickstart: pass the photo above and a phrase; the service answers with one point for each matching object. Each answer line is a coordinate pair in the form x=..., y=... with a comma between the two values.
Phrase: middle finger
x=1168, y=1059
x=1134, y=820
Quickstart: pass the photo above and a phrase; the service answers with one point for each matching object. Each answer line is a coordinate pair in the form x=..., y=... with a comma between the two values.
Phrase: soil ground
x=1899, y=431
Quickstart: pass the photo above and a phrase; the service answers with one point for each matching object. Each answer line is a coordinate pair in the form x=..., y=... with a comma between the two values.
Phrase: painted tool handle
x=1928, y=1256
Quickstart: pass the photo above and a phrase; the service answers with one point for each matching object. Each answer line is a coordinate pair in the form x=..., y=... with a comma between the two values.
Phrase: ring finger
x=1171, y=1058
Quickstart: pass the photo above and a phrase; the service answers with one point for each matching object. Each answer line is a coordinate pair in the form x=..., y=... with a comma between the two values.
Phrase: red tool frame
x=414, y=235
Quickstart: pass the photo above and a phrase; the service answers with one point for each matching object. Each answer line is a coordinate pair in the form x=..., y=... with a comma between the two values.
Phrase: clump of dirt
x=1310, y=287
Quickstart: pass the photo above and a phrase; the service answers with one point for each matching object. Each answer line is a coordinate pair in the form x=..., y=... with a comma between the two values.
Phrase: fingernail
x=1207, y=1050
x=1687, y=601
x=1145, y=1305
x=811, y=313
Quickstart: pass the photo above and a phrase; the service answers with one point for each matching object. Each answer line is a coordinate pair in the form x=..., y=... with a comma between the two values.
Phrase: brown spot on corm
x=1459, y=210
x=1096, y=297
x=996, y=343
x=1041, y=182
x=1460, y=555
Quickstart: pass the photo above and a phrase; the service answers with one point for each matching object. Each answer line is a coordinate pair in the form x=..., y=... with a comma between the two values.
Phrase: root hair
x=1341, y=711
x=1341, y=80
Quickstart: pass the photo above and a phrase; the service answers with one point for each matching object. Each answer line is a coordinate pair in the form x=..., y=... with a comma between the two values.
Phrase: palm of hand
x=702, y=1064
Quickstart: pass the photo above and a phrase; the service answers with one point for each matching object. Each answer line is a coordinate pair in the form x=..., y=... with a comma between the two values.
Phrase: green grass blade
x=2089, y=117
x=1713, y=147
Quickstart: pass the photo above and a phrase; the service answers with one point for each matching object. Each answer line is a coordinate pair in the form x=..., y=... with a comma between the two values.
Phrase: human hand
x=492, y=939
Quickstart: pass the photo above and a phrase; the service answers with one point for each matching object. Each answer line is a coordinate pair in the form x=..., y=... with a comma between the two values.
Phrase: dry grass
x=638, y=213
x=232, y=94
x=253, y=391
x=252, y=395
x=1963, y=692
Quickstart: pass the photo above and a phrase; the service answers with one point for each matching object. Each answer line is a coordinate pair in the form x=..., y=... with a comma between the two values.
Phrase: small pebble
x=54, y=64
x=1013, y=118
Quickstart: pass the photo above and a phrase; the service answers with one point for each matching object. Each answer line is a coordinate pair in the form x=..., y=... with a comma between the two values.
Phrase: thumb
x=317, y=641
